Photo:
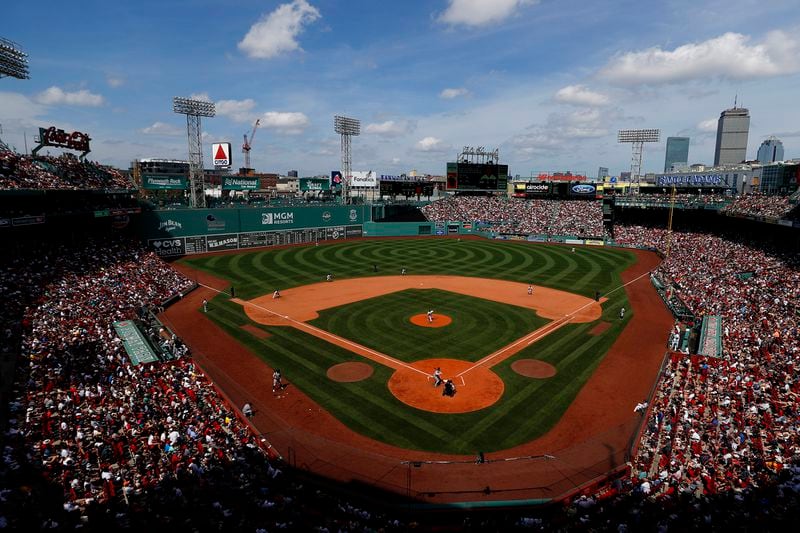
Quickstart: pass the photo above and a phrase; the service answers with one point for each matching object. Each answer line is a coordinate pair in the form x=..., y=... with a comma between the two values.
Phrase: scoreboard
x=406, y=188
x=476, y=177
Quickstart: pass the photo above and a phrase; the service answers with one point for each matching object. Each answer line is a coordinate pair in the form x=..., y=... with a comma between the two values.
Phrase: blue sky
x=548, y=82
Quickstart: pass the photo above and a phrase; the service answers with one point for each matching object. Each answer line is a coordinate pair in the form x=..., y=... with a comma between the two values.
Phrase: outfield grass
x=528, y=407
x=479, y=326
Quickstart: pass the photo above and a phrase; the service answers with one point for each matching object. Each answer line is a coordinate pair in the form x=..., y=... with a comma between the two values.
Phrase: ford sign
x=583, y=189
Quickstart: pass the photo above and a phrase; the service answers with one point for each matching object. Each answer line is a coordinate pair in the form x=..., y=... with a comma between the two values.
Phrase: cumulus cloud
x=449, y=94
x=390, y=128
x=730, y=56
x=58, y=96
x=236, y=110
x=276, y=32
x=580, y=95
x=203, y=97
x=561, y=131
x=291, y=123
x=164, y=129
x=708, y=125
x=480, y=12
x=431, y=144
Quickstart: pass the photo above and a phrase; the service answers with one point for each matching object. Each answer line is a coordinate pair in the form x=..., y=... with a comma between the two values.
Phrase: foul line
x=297, y=324
x=537, y=335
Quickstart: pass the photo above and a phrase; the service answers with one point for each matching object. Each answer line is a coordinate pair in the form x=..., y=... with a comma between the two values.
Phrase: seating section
x=63, y=172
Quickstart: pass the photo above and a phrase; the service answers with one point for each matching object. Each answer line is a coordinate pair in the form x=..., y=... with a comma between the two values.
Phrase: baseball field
x=362, y=348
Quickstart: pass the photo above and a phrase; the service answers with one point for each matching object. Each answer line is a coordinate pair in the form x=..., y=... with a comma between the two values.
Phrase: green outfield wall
x=417, y=229
x=192, y=231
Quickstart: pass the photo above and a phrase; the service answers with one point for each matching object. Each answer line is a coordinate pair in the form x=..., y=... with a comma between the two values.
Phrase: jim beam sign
x=221, y=153
x=60, y=139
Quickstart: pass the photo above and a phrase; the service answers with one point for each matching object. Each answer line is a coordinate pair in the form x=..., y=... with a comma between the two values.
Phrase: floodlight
x=13, y=61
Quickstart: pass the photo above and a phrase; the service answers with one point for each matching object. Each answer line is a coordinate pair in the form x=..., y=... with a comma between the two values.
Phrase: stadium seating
x=63, y=172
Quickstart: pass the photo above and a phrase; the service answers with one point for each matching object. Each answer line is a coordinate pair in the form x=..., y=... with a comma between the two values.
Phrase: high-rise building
x=770, y=150
x=677, y=152
x=602, y=172
x=733, y=128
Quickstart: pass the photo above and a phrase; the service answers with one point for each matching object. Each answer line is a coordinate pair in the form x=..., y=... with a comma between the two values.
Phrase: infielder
x=276, y=294
x=276, y=380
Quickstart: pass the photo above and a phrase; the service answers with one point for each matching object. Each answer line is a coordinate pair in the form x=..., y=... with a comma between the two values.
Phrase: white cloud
x=277, y=32
x=395, y=160
x=580, y=95
x=730, y=56
x=18, y=107
x=237, y=110
x=115, y=81
x=203, y=97
x=562, y=131
x=709, y=125
x=291, y=123
x=480, y=12
x=390, y=128
x=57, y=96
x=162, y=128
x=449, y=94
x=431, y=144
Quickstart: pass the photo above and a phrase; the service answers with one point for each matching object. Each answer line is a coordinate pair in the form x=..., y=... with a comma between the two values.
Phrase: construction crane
x=248, y=143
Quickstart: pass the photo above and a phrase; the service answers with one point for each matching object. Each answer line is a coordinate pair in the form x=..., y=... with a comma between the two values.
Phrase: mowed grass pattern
x=528, y=407
x=479, y=326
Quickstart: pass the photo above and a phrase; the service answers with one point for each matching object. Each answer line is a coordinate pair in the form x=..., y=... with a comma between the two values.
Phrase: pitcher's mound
x=349, y=372
x=439, y=321
x=533, y=368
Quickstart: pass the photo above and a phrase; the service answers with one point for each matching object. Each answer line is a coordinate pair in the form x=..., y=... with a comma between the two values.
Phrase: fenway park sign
x=59, y=138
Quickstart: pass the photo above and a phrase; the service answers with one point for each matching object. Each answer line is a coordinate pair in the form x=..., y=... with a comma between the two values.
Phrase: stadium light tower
x=13, y=61
x=194, y=109
x=637, y=138
x=347, y=128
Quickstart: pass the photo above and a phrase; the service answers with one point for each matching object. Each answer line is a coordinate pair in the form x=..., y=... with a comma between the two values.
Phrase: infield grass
x=528, y=407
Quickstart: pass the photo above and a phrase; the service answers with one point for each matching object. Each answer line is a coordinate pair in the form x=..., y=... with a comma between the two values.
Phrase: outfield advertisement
x=314, y=184
x=238, y=183
x=199, y=244
x=164, y=182
x=191, y=222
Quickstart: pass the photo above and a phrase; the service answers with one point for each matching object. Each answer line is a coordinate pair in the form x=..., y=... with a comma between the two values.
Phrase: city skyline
x=424, y=78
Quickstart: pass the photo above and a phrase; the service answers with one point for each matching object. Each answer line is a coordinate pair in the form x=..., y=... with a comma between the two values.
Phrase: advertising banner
x=221, y=154
x=583, y=189
x=336, y=179
x=693, y=180
x=222, y=242
x=314, y=184
x=164, y=182
x=364, y=179
x=167, y=247
x=238, y=183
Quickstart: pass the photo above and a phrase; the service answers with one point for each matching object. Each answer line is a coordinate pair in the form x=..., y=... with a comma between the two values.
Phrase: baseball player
x=622, y=313
x=205, y=305
x=437, y=377
x=530, y=290
x=276, y=380
x=430, y=316
x=449, y=388
x=329, y=277
x=402, y=271
x=276, y=294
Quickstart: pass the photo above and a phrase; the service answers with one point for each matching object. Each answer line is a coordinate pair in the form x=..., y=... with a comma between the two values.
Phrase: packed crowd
x=521, y=217
x=685, y=199
x=761, y=205
x=727, y=425
x=97, y=443
x=66, y=171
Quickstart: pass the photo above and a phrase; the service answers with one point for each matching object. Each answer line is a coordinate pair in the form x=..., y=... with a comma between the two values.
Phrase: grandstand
x=97, y=439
